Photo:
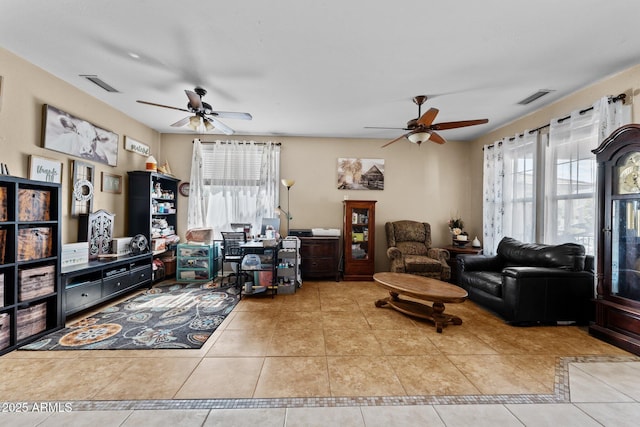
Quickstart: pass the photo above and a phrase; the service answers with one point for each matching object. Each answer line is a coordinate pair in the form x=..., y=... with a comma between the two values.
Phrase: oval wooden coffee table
x=421, y=288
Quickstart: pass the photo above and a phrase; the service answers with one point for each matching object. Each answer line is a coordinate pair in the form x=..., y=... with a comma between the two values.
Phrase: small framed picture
x=111, y=183
x=43, y=169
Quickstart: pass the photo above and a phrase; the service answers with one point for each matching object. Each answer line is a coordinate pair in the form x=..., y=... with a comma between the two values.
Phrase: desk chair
x=231, y=248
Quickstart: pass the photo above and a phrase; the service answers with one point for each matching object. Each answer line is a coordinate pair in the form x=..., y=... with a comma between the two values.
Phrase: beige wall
x=427, y=183
x=25, y=88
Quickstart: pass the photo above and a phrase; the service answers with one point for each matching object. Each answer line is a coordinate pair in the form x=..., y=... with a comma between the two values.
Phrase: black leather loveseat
x=530, y=283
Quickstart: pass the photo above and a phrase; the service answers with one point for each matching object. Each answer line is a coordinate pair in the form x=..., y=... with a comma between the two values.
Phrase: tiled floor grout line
x=561, y=395
x=559, y=392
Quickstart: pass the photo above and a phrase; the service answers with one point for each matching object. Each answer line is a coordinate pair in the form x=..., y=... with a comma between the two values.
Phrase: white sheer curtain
x=233, y=182
x=519, y=186
x=570, y=179
x=492, y=208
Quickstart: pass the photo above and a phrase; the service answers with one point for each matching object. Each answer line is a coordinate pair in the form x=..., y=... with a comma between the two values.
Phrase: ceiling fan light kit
x=419, y=137
x=423, y=129
x=203, y=113
x=194, y=122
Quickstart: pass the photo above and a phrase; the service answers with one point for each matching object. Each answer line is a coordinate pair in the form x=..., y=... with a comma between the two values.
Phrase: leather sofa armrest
x=543, y=272
x=478, y=263
x=589, y=263
x=547, y=294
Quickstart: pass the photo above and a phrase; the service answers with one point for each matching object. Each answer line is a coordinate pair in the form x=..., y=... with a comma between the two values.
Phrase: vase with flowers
x=458, y=235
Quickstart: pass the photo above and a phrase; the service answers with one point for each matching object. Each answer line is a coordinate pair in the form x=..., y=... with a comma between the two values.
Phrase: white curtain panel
x=570, y=181
x=238, y=182
x=519, y=186
x=511, y=172
x=492, y=208
x=198, y=199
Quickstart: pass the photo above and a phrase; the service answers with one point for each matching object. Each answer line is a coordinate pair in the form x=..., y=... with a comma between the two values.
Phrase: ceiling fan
x=423, y=129
x=203, y=113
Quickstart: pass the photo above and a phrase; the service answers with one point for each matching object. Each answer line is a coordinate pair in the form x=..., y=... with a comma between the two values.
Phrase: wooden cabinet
x=89, y=284
x=359, y=239
x=320, y=257
x=30, y=215
x=618, y=264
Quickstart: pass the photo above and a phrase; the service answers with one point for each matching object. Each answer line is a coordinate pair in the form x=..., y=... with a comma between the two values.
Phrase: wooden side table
x=454, y=251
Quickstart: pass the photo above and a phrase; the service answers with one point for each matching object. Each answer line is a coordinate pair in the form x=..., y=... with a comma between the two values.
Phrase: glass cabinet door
x=360, y=233
x=625, y=249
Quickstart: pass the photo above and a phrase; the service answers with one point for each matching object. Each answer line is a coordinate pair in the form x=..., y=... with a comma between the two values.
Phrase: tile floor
x=327, y=356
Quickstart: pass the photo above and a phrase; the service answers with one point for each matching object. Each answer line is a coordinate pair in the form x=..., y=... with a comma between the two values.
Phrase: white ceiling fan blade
x=232, y=115
x=181, y=122
x=218, y=124
x=194, y=99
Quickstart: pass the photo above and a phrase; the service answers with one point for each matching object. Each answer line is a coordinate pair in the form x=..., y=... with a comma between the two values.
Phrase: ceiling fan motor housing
x=412, y=124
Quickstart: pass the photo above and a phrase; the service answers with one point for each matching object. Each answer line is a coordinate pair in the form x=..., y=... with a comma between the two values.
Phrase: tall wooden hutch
x=359, y=239
x=618, y=266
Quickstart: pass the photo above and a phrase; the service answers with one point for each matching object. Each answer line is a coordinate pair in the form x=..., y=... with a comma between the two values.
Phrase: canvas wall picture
x=360, y=174
x=77, y=137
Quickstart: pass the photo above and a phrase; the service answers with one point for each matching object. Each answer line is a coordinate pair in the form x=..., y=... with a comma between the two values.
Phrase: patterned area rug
x=168, y=316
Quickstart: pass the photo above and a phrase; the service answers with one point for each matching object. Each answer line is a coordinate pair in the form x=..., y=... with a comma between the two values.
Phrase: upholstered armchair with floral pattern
x=409, y=249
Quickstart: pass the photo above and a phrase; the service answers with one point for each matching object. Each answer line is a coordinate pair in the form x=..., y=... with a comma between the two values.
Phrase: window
x=233, y=182
x=571, y=180
x=542, y=187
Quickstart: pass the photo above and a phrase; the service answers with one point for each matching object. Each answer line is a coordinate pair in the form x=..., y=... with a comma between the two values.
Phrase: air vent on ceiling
x=539, y=94
x=96, y=80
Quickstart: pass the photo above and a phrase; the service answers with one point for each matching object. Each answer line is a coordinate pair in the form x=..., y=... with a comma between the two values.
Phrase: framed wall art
x=76, y=137
x=111, y=183
x=137, y=147
x=42, y=169
x=360, y=174
x=82, y=178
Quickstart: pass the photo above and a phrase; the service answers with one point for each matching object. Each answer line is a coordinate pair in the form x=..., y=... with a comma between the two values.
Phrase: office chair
x=232, y=250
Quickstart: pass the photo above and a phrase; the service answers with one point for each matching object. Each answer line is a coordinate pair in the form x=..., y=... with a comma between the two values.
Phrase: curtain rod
x=620, y=97
x=241, y=142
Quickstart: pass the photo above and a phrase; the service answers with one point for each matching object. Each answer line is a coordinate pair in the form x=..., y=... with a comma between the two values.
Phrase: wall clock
x=629, y=174
x=82, y=188
x=184, y=189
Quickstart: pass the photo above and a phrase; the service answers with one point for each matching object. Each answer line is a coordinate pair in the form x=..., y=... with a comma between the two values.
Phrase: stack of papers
x=325, y=232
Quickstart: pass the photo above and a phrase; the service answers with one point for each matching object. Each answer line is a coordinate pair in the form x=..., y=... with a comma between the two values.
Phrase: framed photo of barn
x=76, y=137
x=360, y=174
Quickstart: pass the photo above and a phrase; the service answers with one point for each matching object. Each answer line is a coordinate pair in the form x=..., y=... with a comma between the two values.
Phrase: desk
x=268, y=256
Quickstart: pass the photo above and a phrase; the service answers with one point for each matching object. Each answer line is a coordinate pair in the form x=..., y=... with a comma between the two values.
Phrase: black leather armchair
x=531, y=283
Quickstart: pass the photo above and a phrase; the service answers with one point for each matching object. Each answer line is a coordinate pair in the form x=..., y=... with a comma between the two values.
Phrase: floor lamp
x=287, y=183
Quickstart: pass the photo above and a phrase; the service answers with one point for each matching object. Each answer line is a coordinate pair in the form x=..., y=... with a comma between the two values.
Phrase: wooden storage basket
x=36, y=282
x=31, y=320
